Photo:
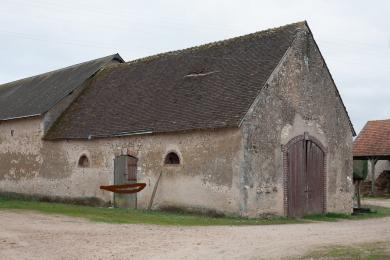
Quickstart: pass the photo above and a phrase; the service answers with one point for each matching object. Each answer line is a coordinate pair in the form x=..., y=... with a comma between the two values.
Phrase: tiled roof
x=36, y=95
x=204, y=87
x=210, y=86
x=373, y=140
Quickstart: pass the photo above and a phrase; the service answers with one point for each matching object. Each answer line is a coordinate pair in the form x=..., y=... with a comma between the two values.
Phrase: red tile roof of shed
x=373, y=140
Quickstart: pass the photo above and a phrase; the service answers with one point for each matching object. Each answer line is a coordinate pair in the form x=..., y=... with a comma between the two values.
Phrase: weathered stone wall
x=299, y=97
x=27, y=164
x=206, y=179
x=20, y=145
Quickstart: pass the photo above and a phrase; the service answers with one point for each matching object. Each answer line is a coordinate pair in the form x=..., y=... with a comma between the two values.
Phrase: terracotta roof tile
x=373, y=140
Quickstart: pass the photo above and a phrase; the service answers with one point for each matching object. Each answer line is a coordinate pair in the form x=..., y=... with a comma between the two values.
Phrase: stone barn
x=247, y=126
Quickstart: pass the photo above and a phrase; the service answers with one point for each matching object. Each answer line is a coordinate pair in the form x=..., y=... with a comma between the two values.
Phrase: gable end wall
x=299, y=97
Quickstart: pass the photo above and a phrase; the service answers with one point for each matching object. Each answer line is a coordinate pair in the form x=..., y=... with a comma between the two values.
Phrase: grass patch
x=379, y=250
x=380, y=197
x=128, y=216
x=377, y=212
x=330, y=217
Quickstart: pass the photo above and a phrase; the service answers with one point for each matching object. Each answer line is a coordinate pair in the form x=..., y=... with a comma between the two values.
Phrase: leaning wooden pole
x=154, y=192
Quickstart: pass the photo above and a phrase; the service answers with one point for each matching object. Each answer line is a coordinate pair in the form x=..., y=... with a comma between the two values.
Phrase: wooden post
x=373, y=162
x=358, y=194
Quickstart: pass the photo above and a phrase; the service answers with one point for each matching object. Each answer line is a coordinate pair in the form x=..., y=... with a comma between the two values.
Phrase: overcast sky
x=354, y=36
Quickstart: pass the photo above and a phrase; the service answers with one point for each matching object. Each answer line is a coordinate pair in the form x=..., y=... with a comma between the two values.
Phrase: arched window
x=83, y=161
x=172, y=158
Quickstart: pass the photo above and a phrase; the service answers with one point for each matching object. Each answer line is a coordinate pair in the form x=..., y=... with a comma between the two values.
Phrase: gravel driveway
x=377, y=202
x=34, y=236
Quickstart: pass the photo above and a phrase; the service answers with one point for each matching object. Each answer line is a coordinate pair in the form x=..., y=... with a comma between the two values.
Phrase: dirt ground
x=35, y=236
x=377, y=202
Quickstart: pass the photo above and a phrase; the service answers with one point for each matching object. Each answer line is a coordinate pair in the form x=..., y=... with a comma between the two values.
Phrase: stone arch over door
x=304, y=164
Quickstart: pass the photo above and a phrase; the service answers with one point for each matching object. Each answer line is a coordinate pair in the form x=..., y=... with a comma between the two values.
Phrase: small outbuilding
x=247, y=126
x=373, y=144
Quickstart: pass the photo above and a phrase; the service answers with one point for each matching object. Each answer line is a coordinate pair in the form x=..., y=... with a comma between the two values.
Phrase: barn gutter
x=19, y=117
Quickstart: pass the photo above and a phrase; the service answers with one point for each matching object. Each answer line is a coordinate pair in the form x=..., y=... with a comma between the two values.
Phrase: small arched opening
x=83, y=161
x=172, y=159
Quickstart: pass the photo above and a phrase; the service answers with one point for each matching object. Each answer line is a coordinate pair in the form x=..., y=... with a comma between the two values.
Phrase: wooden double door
x=305, y=179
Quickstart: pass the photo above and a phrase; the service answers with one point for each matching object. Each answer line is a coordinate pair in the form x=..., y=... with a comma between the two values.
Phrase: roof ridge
x=378, y=120
x=113, y=56
x=215, y=43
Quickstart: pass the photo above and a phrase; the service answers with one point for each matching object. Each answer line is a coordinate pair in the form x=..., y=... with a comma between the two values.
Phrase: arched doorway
x=125, y=172
x=305, y=162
